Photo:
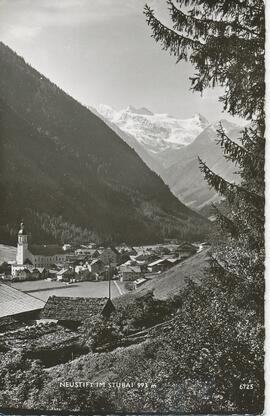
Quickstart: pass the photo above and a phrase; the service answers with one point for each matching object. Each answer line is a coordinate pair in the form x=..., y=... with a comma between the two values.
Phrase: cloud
x=25, y=32
x=25, y=19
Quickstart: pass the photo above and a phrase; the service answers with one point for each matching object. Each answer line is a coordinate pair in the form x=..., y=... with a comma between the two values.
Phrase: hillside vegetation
x=163, y=348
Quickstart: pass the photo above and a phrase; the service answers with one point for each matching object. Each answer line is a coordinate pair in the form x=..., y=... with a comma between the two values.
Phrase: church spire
x=22, y=229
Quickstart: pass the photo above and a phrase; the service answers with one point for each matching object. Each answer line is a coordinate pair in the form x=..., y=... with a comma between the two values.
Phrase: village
x=47, y=274
x=70, y=299
x=130, y=266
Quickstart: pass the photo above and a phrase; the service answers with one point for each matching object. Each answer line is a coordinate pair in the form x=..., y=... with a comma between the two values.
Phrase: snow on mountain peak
x=156, y=132
x=142, y=110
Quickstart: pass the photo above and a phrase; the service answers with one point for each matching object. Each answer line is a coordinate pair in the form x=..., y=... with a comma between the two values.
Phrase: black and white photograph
x=132, y=207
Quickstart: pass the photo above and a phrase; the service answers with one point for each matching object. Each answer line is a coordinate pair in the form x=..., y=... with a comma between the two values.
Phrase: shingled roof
x=46, y=250
x=14, y=302
x=73, y=309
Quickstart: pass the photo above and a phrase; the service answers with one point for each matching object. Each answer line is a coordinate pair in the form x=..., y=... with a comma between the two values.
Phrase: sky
x=102, y=52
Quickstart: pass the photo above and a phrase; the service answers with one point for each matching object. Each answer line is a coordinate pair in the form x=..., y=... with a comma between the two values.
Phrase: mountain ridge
x=61, y=160
x=156, y=132
x=177, y=163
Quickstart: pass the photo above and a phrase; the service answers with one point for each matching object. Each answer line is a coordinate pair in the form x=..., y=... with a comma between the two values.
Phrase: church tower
x=22, y=246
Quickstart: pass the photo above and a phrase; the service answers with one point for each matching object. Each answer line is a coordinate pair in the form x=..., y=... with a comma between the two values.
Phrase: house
x=22, y=274
x=64, y=274
x=186, y=250
x=32, y=256
x=83, y=251
x=131, y=262
x=74, y=311
x=95, y=253
x=51, y=273
x=139, y=282
x=97, y=266
x=81, y=268
x=125, y=249
x=130, y=273
x=147, y=258
x=85, y=275
x=18, y=304
x=110, y=256
x=159, y=266
x=36, y=273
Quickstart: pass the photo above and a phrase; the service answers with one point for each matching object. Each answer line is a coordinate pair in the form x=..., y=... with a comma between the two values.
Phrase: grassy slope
x=169, y=283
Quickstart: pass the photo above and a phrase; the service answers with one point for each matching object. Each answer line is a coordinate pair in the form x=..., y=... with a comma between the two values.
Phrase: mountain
x=144, y=154
x=184, y=177
x=159, y=134
x=171, y=147
x=70, y=176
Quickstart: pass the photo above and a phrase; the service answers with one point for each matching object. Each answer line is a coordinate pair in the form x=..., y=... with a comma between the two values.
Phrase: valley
x=171, y=147
x=55, y=147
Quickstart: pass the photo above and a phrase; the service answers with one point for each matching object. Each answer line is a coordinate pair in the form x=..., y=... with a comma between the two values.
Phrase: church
x=33, y=256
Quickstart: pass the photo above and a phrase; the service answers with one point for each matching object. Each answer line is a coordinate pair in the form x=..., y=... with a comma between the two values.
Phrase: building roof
x=160, y=261
x=111, y=248
x=62, y=271
x=13, y=301
x=140, y=281
x=72, y=309
x=46, y=250
x=135, y=269
x=96, y=261
x=39, y=269
x=186, y=246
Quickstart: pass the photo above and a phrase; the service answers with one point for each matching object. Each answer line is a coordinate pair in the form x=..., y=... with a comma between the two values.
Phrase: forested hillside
x=63, y=166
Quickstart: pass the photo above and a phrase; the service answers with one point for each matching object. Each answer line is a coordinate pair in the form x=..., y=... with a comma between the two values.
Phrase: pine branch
x=235, y=152
x=225, y=222
x=202, y=26
x=224, y=8
x=176, y=43
x=228, y=189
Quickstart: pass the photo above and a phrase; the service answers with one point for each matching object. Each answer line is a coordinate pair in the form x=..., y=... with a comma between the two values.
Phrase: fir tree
x=224, y=40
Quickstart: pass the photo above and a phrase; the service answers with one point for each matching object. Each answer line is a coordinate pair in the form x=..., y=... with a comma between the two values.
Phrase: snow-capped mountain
x=157, y=133
x=171, y=146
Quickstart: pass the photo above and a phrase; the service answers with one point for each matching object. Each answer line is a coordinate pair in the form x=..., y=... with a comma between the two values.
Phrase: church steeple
x=22, y=247
x=22, y=229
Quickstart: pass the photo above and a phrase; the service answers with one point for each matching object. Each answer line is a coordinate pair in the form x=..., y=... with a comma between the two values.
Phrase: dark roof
x=46, y=250
x=112, y=249
x=13, y=301
x=27, y=261
x=72, y=309
x=186, y=246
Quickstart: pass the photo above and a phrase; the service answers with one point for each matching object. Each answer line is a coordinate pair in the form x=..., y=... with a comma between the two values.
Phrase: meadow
x=42, y=289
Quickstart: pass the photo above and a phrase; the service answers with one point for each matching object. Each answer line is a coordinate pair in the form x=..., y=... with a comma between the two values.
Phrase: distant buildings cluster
x=70, y=263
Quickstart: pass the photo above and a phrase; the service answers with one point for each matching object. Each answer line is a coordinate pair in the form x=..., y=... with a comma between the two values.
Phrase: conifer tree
x=224, y=41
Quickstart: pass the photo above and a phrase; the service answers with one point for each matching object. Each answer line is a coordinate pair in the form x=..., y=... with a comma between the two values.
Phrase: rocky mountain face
x=69, y=175
x=159, y=134
x=171, y=147
x=184, y=177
